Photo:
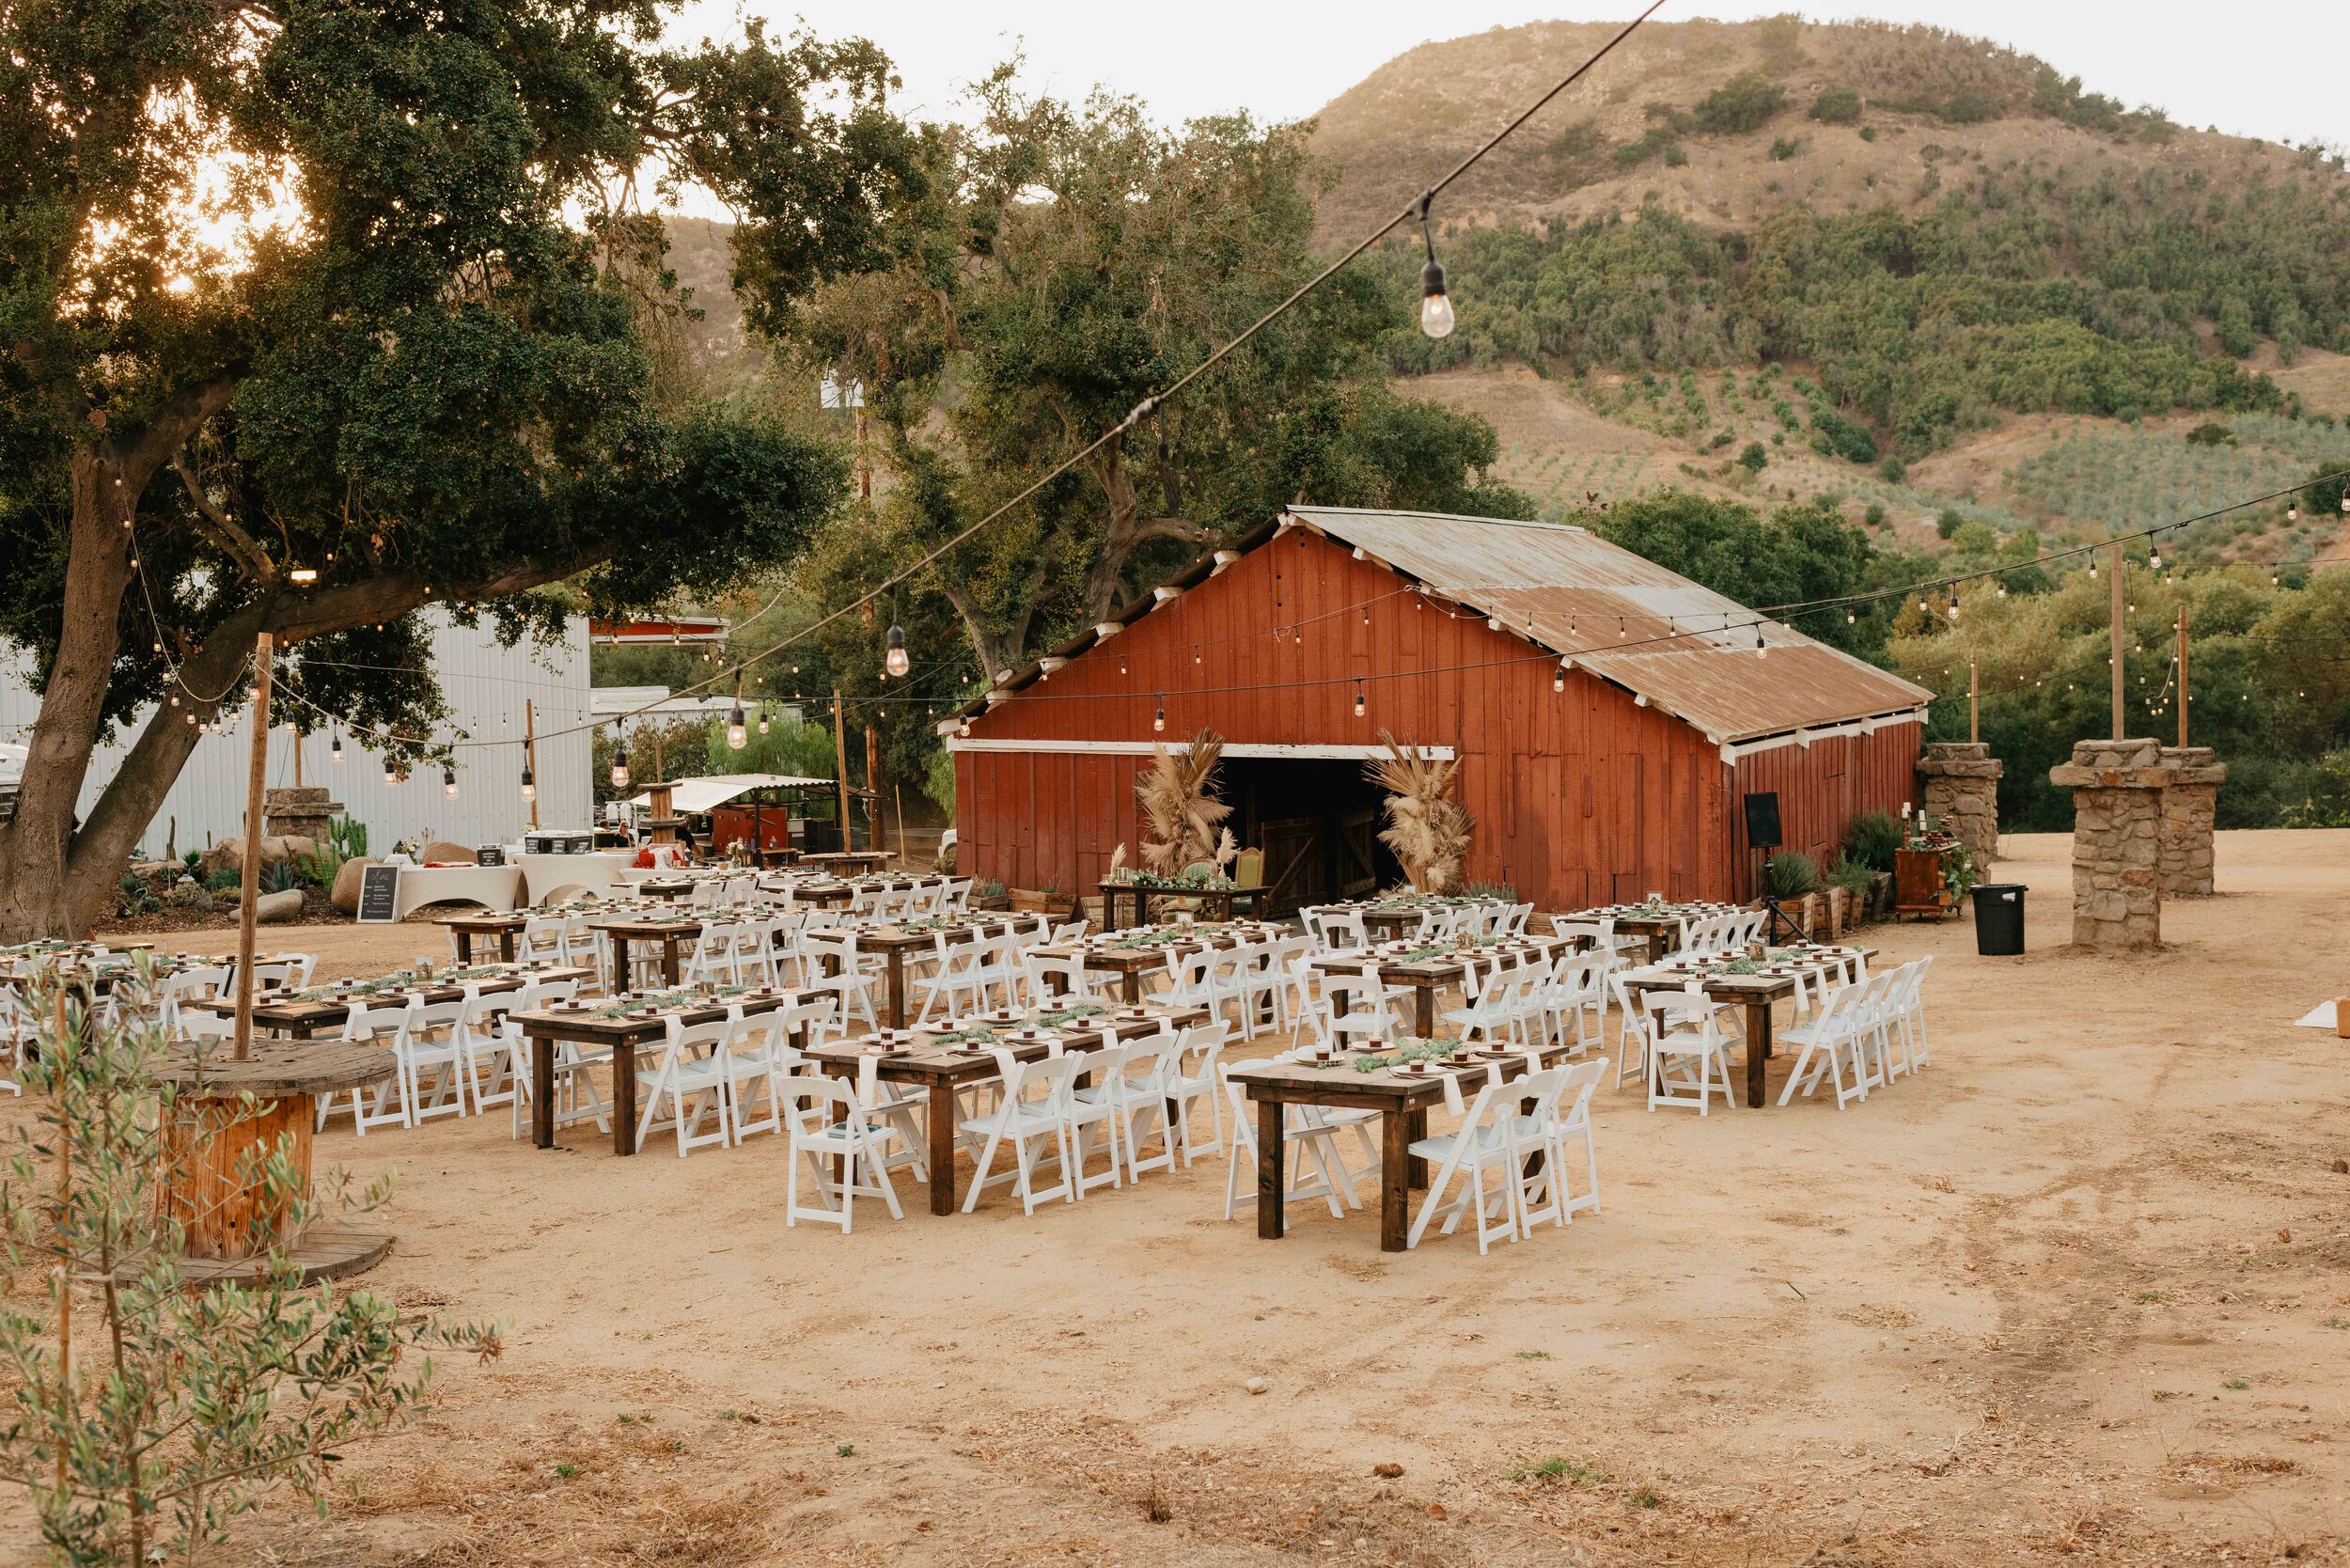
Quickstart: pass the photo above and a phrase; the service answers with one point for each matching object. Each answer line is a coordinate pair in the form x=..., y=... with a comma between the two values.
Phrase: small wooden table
x=1130, y=963
x=504, y=925
x=895, y=943
x=215, y=1186
x=1402, y=1104
x=944, y=1069
x=1660, y=927
x=1753, y=994
x=666, y=930
x=850, y=861
x=589, y=1026
x=1428, y=976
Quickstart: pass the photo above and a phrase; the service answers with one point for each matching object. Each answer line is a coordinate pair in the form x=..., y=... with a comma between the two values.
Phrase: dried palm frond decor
x=1180, y=810
x=1426, y=828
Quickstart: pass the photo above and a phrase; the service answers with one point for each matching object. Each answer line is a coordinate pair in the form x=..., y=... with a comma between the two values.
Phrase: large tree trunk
x=1124, y=530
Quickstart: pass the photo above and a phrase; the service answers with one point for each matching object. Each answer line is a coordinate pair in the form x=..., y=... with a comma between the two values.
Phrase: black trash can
x=1999, y=918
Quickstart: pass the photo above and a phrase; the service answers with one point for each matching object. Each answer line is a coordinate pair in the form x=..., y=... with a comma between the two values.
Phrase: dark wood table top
x=923, y=1056
x=491, y=920
x=1339, y=1082
x=646, y=1018
x=323, y=1004
x=883, y=938
x=648, y=924
x=1778, y=978
x=1438, y=967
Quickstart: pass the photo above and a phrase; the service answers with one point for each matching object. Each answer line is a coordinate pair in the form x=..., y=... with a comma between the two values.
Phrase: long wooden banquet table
x=902, y=940
x=962, y=1053
x=628, y=1024
x=1428, y=968
x=1658, y=924
x=315, y=1010
x=1137, y=951
x=1401, y=1094
x=1750, y=987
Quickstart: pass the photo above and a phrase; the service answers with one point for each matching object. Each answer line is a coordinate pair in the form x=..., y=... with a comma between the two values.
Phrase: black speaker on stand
x=1763, y=835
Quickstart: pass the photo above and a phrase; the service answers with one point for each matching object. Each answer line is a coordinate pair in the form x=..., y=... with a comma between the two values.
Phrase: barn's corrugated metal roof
x=1688, y=650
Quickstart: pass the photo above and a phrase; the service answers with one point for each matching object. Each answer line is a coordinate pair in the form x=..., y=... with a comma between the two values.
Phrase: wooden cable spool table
x=227, y=1117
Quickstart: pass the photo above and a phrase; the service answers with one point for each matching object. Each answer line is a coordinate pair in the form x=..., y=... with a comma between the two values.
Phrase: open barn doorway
x=1317, y=822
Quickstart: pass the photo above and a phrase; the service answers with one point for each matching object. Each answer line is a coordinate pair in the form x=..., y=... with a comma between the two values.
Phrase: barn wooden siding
x=1580, y=796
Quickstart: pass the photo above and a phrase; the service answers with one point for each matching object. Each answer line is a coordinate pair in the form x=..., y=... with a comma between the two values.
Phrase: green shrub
x=2210, y=433
x=224, y=881
x=1867, y=132
x=1872, y=841
x=1893, y=470
x=279, y=876
x=1791, y=875
x=1754, y=459
x=1850, y=874
x=1837, y=106
x=1785, y=147
x=1833, y=435
x=1947, y=525
x=1972, y=107
x=1740, y=104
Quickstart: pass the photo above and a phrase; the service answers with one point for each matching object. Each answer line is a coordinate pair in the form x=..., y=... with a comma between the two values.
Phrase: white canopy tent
x=707, y=791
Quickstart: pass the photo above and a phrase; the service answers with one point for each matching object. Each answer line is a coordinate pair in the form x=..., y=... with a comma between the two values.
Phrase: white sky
x=2272, y=68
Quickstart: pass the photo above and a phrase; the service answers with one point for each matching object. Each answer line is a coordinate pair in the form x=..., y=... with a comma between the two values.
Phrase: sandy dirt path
x=2077, y=1292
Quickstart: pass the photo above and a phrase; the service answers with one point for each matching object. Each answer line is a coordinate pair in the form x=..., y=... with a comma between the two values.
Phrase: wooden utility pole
x=1974, y=703
x=873, y=788
x=297, y=741
x=255, y=780
x=530, y=754
x=2181, y=672
x=841, y=766
x=2119, y=613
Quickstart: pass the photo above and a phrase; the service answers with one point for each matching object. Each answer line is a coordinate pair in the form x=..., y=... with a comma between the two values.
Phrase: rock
x=1255, y=1385
x=2342, y=1168
x=345, y=894
x=228, y=855
x=1386, y=1472
x=275, y=909
x=144, y=869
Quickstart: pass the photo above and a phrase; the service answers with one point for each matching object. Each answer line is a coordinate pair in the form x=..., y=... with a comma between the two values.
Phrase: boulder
x=275, y=909
x=228, y=855
x=345, y=894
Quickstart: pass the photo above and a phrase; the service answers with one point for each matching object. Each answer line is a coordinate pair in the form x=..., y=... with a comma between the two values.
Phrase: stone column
x=1962, y=793
x=2117, y=841
x=298, y=813
x=2188, y=807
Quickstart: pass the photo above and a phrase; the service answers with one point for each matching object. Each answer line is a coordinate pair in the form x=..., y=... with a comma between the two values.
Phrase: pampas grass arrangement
x=1426, y=828
x=1179, y=811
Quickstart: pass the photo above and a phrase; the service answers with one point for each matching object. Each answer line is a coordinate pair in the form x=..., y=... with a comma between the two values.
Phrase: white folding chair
x=1482, y=1144
x=1688, y=1049
x=828, y=1122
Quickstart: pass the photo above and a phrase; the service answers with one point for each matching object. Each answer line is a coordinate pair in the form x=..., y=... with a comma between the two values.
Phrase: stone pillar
x=1962, y=793
x=303, y=812
x=2188, y=807
x=2117, y=841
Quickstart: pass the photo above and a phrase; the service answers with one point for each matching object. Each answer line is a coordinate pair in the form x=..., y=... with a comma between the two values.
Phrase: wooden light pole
x=873, y=788
x=2181, y=672
x=530, y=756
x=840, y=767
x=1974, y=703
x=255, y=779
x=2119, y=612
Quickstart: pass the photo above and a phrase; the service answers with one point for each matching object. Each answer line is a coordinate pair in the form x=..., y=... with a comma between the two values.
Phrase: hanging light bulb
x=335, y=750
x=896, y=662
x=619, y=759
x=2293, y=513
x=2092, y=569
x=449, y=782
x=391, y=773
x=2003, y=587
x=1558, y=679
x=1159, y=722
x=1761, y=648
x=1436, y=305
x=2154, y=556
x=963, y=729
x=530, y=784
x=762, y=718
x=1359, y=699
x=1953, y=601
x=1852, y=617
x=738, y=727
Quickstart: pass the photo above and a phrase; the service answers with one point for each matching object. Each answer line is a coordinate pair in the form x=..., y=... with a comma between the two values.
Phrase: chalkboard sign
x=490, y=854
x=378, y=884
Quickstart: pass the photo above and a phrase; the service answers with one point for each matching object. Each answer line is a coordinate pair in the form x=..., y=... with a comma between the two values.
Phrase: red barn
x=1608, y=716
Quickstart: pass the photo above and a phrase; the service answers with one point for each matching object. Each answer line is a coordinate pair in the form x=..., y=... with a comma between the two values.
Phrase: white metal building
x=485, y=685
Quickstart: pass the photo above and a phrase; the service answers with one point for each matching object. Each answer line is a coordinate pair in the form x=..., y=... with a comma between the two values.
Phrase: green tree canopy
x=423, y=383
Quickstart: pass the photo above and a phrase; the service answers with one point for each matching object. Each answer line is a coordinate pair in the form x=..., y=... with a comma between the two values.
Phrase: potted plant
x=1793, y=879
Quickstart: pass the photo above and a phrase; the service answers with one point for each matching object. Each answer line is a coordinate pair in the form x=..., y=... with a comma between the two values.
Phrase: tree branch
x=168, y=430
x=249, y=556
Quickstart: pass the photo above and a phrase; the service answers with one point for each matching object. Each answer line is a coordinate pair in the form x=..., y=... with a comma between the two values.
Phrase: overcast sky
x=2273, y=69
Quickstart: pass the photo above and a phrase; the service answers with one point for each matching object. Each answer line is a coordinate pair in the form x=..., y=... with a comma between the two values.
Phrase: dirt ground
x=2077, y=1292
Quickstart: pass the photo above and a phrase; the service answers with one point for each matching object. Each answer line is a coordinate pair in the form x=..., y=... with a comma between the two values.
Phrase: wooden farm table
x=1753, y=993
x=1652, y=926
x=1402, y=1104
x=502, y=925
x=591, y=1027
x=1428, y=976
x=1130, y=963
x=895, y=943
x=668, y=930
x=850, y=861
x=1219, y=900
x=944, y=1069
x=319, y=1008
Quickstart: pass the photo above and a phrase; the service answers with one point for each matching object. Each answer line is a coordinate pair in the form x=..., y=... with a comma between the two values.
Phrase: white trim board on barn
x=1231, y=748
